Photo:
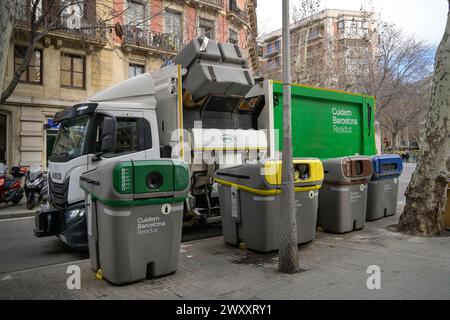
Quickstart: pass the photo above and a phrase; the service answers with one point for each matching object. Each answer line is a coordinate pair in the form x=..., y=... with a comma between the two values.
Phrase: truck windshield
x=71, y=138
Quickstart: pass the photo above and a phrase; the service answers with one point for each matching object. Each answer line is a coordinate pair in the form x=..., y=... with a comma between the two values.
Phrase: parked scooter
x=36, y=187
x=10, y=187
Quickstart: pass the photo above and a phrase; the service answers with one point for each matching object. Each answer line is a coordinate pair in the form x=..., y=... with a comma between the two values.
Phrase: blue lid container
x=386, y=165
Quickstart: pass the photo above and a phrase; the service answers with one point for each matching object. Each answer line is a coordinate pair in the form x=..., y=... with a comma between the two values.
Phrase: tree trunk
x=426, y=194
x=6, y=22
x=394, y=140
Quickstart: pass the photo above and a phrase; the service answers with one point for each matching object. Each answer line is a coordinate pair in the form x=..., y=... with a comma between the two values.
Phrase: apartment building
x=329, y=49
x=94, y=44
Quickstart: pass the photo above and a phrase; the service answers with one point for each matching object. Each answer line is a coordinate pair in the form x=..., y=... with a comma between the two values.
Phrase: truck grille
x=58, y=193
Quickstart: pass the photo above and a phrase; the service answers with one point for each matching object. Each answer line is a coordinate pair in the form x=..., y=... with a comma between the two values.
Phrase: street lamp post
x=288, y=248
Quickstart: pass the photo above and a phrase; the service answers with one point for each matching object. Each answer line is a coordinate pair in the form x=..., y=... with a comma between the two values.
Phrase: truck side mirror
x=108, y=135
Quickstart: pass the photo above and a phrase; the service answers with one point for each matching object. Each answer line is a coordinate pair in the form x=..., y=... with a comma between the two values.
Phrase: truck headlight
x=75, y=214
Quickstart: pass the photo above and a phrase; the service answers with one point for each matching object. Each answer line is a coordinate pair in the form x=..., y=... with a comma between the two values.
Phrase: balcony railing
x=135, y=36
x=313, y=35
x=218, y=4
x=72, y=26
x=272, y=51
x=234, y=10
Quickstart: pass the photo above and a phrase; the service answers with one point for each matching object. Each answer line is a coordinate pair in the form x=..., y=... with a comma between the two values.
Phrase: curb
x=4, y=216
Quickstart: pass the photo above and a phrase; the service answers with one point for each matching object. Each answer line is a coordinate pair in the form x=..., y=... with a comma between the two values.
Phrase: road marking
x=8, y=277
x=48, y=266
x=21, y=218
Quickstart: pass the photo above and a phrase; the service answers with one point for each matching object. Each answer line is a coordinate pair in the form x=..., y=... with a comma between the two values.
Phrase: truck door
x=132, y=139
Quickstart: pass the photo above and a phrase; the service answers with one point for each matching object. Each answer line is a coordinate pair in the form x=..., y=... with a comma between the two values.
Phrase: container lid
x=387, y=164
x=134, y=183
x=264, y=177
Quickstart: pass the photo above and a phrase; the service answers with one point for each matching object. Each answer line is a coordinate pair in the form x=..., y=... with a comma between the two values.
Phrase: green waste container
x=134, y=217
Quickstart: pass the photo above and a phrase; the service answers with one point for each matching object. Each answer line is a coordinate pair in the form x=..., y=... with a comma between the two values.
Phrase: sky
x=425, y=19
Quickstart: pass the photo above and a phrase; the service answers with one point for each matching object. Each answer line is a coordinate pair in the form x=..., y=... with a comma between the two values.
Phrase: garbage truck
x=204, y=108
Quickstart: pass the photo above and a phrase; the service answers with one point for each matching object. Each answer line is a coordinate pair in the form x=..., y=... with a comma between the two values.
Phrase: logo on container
x=228, y=138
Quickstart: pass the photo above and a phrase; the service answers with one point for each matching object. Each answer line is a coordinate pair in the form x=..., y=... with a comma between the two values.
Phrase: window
x=72, y=71
x=135, y=70
x=273, y=63
x=277, y=45
x=315, y=32
x=127, y=135
x=341, y=26
x=353, y=27
x=273, y=46
x=33, y=73
x=72, y=14
x=22, y=10
x=234, y=37
x=172, y=21
x=71, y=138
x=135, y=13
x=206, y=28
x=132, y=135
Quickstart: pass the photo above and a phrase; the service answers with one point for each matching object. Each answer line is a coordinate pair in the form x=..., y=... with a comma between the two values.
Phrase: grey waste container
x=343, y=196
x=383, y=186
x=134, y=215
x=249, y=199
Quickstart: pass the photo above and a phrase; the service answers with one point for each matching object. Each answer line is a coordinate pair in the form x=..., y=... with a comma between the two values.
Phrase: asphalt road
x=20, y=250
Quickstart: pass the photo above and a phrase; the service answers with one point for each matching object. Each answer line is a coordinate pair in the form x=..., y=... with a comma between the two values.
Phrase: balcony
x=73, y=27
x=211, y=4
x=272, y=52
x=315, y=35
x=271, y=65
x=236, y=14
x=162, y=43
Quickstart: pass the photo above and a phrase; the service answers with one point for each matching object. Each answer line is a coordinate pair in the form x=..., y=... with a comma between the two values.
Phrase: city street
x=20, y=250
x=154, y=141
x=333, y=266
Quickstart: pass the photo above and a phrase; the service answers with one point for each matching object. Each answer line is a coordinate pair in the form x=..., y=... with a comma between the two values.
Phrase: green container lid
x=181, y=175
x=151, y=176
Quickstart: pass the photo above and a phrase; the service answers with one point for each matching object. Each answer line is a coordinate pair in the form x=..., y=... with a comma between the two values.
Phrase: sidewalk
x=334, y=267
x=16, y=211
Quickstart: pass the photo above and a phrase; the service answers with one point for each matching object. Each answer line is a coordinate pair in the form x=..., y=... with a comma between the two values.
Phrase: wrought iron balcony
x=140, y=37
x=215, y=4
x=236, y=13
x=72, y=26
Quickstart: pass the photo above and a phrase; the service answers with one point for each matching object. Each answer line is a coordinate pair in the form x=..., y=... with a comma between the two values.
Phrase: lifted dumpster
x=326, y=123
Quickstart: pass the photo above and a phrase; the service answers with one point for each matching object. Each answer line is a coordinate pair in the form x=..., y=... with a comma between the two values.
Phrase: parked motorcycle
x=36, y=188
x=10, y=187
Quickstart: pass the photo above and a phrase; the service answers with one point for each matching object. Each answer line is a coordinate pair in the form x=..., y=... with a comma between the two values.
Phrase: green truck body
x=326, y=123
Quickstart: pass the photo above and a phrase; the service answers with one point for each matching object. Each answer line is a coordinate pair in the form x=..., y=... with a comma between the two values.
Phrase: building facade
x=329, y=49
x=98, y=43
